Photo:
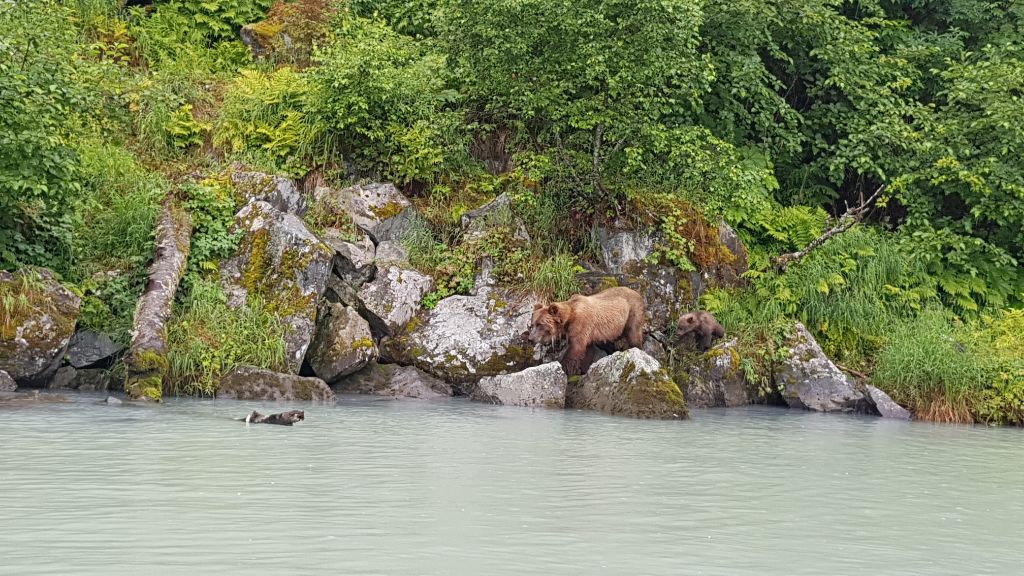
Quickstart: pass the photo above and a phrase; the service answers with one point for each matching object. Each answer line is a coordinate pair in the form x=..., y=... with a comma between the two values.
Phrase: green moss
x=607, y=282
x=145, y=387
x=362, y=344
x=655, y=396
x=389, y=210
x=148, y=361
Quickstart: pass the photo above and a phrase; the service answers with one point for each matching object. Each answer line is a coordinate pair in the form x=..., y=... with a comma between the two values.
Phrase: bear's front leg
x=573, y=359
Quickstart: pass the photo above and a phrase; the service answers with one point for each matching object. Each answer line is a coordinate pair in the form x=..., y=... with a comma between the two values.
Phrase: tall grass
x=555, y=278
x=207, y=339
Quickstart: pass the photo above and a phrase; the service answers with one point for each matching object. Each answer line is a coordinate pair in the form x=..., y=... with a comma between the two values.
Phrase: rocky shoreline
x=355, y=321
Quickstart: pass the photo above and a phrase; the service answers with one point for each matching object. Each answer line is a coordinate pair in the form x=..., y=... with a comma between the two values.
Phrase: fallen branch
x=146, y=361
x=844, y=223
x=860, y=375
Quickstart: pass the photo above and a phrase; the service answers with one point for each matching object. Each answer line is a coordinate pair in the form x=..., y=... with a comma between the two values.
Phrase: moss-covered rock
x=284, y=264
x=250, y=383
x=280, y=192
x=379, y=209
x=290, y=31
x=391, y=300
x=7, y=384
x=809, y=380
x=628, y=383
x=465, y=338
x=715, y=379
x=342, y=344
x=37, y=319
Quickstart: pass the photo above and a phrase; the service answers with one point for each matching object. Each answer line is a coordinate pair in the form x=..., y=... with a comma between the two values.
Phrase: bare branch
x=844, y=223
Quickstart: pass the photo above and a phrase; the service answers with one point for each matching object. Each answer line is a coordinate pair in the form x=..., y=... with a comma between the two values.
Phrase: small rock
x=64, y=378
x=251, y=383
x=353, y=261
x=716, y=379
x=88, y=348
x=7, y=384
x=884, y=405
x=542, y=385
x=393, y=298
x=392, y=252
x=342, y=345
x=90, y=379
x=379, y=209
x=628, y=383
x=808, y=379
x=280, y=192
x=339, y=291
x=394, y=381
x=112, y=401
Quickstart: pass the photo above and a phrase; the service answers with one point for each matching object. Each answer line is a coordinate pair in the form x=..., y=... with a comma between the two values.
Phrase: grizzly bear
x=704, y=327
x=600, y=320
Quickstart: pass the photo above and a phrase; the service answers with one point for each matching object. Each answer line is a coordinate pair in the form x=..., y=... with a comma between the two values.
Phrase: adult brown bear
x=704, y=327
x=600, y=320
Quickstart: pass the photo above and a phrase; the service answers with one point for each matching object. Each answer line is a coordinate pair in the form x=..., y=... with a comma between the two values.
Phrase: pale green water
x=452, y=488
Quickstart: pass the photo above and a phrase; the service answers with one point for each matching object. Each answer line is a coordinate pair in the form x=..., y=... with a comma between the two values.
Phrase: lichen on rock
x=628, y=383
x=37, y=319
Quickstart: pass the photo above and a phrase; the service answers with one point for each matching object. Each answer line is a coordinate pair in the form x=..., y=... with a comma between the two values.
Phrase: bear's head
x=548, y=324
x=688, y=323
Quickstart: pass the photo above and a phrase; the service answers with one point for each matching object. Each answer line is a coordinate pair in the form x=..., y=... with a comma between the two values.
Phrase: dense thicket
x=772, y=114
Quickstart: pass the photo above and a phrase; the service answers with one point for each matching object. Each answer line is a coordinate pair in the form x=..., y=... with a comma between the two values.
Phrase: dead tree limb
x=844, y=223
x=146, y=361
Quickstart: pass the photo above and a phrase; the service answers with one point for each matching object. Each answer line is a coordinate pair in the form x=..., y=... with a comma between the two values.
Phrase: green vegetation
x=772, y=115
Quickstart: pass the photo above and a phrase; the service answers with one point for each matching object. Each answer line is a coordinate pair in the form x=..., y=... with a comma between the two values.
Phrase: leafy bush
x=268, y=112
x=207, y=339
x=219, y=19
x=382, y=96
x=212, y=204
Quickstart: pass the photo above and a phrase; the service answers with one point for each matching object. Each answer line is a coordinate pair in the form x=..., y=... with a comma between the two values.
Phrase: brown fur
x=704, y=327
x=284, y=418
x=584, y=320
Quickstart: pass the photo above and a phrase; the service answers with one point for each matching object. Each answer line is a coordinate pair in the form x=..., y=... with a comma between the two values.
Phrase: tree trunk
x=146, y=360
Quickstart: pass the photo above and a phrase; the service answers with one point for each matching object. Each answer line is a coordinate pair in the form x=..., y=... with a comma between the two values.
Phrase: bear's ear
x=553, y=309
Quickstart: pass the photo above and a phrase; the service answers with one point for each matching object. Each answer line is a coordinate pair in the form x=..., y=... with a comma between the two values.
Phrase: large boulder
x=343, y=343
x=37, y=320
x=251, y=383
x=394, y=381
x=885, y=406
x=379, y=209
x=87, y=348
x=7, y=384
x=391, y=252
x=353, y=257
x=465, y=338
x=280, y=192
x=280, y=260
x=622, y=249
x=716, y=379
x=393, y=298
x=808, y=379
x=542, y=386
x=628, y=383
x=733, y=262
x=290, y=31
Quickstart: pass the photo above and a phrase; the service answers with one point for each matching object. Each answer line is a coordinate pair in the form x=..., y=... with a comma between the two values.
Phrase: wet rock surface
x=628, y=383
x=250, y=383
x=538, y=386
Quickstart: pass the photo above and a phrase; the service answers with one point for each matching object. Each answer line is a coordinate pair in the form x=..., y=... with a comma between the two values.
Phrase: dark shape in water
x=284, y=418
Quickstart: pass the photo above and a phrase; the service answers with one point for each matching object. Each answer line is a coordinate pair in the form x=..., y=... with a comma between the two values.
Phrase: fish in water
x=284, y=418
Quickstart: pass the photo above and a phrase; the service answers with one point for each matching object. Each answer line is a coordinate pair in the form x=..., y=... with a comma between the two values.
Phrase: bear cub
x=704, y=327
x=597, y=320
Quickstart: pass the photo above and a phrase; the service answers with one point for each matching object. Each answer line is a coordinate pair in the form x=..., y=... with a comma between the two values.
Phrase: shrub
x=207, y=339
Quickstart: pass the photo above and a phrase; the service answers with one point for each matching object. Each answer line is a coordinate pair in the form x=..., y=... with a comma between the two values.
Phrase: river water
x=372, y=486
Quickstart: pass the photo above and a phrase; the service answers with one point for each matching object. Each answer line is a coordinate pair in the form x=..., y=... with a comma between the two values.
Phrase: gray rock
x=621, y=249
x=465, y=338
x=280, y=192
x=91, y=379
x=88, y=347
x=250, y=383
x=628, y=383
x=286, y=265
x=394, y=381
x=808, y=379
x=495, y=214
x=393, y=298
x=7, y=384
x=34, y=334
x=379, y=209
x=655, y=349
x=112, y=401
x=64, y=378
x=342, y=345
x=391, y=252
x=716, y=379
x=542, y=386
x=884, y=405
x=353, y=261
x=729, y=274
x=339, y=291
